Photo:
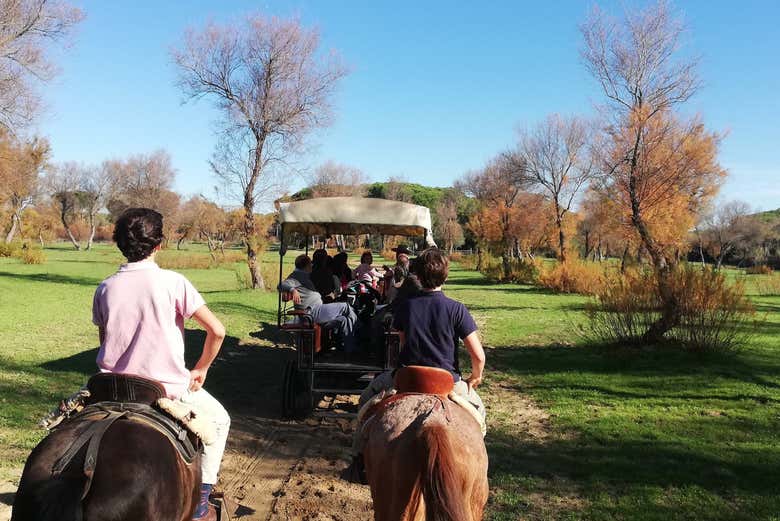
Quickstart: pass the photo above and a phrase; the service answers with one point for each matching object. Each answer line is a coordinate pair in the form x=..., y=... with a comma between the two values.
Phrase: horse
x=136, y=474
x=425, y=459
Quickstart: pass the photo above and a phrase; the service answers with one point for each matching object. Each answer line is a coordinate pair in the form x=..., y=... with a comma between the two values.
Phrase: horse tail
x=440, y=481
x=50, y=500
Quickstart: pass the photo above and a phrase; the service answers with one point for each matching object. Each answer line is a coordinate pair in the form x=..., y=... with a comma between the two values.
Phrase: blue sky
x=435, y=89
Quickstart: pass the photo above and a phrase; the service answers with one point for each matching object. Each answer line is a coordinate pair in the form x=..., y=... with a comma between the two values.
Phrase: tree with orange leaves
x=659, y=169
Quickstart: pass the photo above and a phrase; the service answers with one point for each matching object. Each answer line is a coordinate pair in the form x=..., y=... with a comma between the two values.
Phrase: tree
x=556, y=161
x=497, y=187
x=26, y=26
x=659, y=169
x=63, y=183
x=142, y=180
x=722, y=230
x=266, y=77
x=332, y=179
x=21, y=163
x=96, y=187
x=447, y=228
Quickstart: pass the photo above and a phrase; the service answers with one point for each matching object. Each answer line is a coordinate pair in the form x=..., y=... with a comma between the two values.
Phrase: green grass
x=631, y=434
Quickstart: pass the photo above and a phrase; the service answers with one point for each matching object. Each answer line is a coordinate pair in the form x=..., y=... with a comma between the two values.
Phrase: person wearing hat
x=395, y=276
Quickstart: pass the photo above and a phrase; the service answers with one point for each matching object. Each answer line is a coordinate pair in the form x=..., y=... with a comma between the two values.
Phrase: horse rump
x=441, y=479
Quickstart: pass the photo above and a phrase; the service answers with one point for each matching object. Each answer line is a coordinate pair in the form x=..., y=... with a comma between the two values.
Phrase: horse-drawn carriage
x=317, y=369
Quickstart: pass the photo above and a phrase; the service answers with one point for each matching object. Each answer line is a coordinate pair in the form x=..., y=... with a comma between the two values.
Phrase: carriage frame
x=309, y=373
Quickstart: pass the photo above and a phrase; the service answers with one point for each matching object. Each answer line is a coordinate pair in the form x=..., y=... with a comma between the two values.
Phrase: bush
x=712, y=311
x=467, y=262
x=521, y=271
x=573, y=276
x=768, y=285
x=759, y=269
x=173, y=260
x=32, y=256
x=10, y=249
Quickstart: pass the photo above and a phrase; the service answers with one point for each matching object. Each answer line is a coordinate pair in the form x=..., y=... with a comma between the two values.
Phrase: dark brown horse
x=138, y=475
x=425, y=459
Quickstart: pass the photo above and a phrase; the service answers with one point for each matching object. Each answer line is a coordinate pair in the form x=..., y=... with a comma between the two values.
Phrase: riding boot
x=204, y=511
x=356, y=471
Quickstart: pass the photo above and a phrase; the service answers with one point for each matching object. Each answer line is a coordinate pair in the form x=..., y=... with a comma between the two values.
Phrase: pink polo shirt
x=142, y=309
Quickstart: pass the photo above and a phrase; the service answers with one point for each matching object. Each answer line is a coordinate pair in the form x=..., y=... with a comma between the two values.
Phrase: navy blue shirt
x=432, y=324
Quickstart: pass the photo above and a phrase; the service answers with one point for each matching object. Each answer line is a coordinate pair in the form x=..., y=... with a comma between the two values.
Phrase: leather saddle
x=118, y=397
x=412, y=379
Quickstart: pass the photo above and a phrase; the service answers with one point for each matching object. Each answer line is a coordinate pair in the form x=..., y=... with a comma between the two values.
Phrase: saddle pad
x=195, y=422
x=469, y=408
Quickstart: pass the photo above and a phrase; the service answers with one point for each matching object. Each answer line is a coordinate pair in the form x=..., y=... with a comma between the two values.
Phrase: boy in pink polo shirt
x=140, y=313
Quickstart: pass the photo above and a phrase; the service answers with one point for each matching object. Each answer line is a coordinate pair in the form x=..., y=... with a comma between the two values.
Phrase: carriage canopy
x=355, y=216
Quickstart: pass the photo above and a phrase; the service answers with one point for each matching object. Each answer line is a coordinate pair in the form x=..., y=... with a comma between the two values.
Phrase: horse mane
x=442, y=491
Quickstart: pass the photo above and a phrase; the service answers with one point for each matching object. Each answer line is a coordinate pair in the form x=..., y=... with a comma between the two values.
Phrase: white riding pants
x=208, y=406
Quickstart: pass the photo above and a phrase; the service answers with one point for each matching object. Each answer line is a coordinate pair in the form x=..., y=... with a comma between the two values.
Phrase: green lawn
x=648, y=434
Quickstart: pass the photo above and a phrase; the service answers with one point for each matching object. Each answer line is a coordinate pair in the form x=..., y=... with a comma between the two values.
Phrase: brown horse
x=137, y=475
x=425, y=459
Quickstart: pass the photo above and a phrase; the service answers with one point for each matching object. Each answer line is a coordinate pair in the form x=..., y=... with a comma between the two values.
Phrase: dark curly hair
x=432, y=268
x=137, y=232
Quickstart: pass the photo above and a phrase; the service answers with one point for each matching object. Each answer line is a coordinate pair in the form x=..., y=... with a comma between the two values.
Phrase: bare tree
x=556, y=161
x=63, y=185
x=646, y=154
x=141, y=180
x=723, y=229
x=96, y=187
x=25, y=28
x=333, y=179
x=273, y=88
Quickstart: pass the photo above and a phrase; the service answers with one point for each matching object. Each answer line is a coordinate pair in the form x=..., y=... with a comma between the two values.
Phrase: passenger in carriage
x=140, y=313
x=299, y=288
x=326, y=283
x=365, y=272
x=342, y=270
x=397, y=273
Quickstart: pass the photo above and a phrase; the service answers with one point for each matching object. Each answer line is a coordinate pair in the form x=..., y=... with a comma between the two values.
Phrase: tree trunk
x=480, y=259
x=178, y=243
x=506, y=263
x=40, y=238
x=561, y=237
x=14, y=225
x=91, y=232
x=67, y=230
x=251, y=248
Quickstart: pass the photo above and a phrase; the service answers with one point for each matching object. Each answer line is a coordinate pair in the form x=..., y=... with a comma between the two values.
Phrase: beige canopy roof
x=355, y=216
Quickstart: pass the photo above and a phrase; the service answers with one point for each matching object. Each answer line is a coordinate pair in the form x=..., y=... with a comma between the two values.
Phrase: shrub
x=572, y=276
x=10, y=249
x=521, y=271
x=625, y=306
x=467, y=262
x=759, y=269
x=173, y=260
x=32, y=256
x=768, y=285
x=712, y=311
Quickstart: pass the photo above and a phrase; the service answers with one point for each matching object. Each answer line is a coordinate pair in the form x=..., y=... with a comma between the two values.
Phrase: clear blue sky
x=436, y=88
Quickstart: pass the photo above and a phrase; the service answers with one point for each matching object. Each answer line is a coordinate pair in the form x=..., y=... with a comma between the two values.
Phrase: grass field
x=614, y=434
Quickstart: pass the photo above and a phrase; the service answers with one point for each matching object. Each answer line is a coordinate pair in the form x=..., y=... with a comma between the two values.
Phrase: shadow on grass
x=53, y=278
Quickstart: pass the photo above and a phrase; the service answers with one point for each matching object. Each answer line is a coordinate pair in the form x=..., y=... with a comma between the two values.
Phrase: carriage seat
x=123, y=388
x=422, y=379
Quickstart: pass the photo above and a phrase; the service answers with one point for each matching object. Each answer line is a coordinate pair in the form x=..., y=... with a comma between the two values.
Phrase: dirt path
x=279, y=470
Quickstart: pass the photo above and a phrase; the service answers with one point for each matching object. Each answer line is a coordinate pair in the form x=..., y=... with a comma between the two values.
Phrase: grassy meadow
x=575, y=431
